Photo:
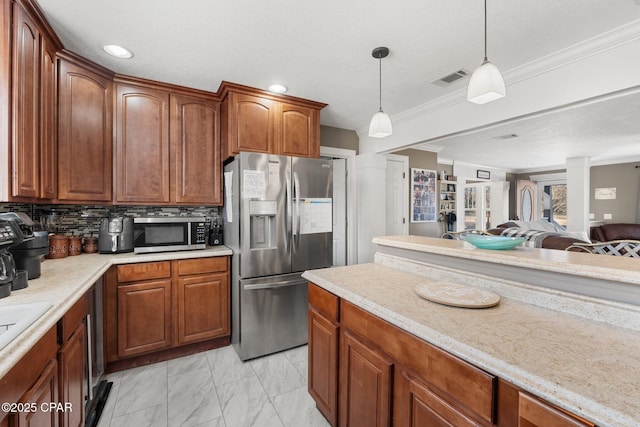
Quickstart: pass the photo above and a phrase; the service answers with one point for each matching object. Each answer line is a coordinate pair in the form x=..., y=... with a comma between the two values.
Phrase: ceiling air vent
x=507, y=136
x=451, y=78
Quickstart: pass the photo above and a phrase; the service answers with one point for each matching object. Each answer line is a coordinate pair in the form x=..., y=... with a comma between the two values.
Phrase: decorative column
x=578, y=191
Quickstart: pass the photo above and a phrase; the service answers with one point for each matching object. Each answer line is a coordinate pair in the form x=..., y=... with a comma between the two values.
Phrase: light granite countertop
x=63, y=281
x=541, y=340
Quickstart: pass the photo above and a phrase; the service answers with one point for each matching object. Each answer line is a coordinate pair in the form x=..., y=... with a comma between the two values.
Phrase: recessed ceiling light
x=277, y=88
x=117, y=51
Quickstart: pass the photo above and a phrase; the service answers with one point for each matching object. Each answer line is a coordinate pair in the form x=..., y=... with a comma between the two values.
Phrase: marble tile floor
x=215, y=389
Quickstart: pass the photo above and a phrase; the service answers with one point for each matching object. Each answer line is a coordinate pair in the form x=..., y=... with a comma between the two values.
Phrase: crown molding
x=587, y=48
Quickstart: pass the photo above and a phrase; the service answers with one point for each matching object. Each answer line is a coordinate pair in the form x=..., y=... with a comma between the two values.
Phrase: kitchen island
x=546, y=339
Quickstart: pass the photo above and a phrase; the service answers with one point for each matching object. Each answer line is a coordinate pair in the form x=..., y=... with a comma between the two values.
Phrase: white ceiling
x=321, y=50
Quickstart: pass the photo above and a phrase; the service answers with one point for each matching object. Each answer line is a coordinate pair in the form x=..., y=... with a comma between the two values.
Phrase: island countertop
x=589, y=367
x=63, y=281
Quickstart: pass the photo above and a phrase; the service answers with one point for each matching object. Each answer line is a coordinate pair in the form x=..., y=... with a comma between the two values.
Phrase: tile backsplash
x=85, y=219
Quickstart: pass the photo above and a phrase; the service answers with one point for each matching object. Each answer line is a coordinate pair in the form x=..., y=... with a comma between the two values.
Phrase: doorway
x=553, y=202
x=344, y=202
x=397, y=193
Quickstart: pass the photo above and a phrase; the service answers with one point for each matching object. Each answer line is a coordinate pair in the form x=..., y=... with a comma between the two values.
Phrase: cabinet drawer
x=534, y=412
x=324, y=302
x=455, y=380
x=144, y=271
x=70, y=321
x=202, y=265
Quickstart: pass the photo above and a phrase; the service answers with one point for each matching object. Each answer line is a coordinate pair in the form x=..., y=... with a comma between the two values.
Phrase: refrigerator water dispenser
x=262, y=215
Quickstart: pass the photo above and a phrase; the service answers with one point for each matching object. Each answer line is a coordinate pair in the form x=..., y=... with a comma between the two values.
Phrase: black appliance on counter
x=116, y=235
x=10, y=234
x=28, y=253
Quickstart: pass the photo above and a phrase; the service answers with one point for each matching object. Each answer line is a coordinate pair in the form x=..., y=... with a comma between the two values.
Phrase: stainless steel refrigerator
x=278, y=222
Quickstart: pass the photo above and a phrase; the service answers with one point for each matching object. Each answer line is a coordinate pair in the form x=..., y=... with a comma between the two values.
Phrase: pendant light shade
x=486, y=83
x=380, y=125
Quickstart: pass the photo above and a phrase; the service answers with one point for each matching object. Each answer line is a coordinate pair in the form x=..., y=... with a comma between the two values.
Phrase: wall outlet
x=592, y=216
x=608, y=216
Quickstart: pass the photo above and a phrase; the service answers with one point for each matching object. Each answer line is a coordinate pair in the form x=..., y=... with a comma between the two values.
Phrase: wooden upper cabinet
x=34, y=99
x=299, y=131
x=195, y=144
x=259, y=121
x=48, y=120
x=26, y=54
x=251, y=124
x=85, y=147
x=142, y=145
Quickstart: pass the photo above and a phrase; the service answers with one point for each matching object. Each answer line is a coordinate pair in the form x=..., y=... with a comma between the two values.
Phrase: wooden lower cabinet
x=323, y=365
x=203, y=307
x=144, y=317
x=43, y=392
x=365, y=384
x=390, y=377
x=161, y=306
x=536, y=413
x=418, y=405
x=71, y=359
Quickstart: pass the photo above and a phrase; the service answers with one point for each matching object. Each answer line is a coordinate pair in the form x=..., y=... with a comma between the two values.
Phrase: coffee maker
x=10, y=234
x=116, y=235
x=28, y=253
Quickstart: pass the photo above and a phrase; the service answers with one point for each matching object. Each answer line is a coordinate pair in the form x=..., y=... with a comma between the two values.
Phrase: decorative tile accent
x=85, y=219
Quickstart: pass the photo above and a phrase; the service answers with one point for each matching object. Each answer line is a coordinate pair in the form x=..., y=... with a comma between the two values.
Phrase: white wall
x=372, y=215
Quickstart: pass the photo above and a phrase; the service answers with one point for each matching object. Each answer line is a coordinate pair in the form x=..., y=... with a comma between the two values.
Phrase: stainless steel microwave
x=163, y=234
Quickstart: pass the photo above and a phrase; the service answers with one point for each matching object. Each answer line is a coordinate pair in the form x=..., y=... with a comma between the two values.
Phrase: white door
x=339, y=212
x=397, y=206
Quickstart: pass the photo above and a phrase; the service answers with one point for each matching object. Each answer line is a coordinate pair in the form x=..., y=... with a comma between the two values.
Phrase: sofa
x=620, y=231
x=540, y=235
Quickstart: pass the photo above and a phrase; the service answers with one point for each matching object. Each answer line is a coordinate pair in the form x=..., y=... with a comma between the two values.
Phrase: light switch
x=608, y=216
x=592, y=216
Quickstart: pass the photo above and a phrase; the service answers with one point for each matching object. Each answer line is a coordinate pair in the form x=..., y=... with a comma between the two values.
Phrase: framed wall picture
x=424, y=198
x=480, y=174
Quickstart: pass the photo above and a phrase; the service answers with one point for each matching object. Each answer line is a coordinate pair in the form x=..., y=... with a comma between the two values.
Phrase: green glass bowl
x=493, y=242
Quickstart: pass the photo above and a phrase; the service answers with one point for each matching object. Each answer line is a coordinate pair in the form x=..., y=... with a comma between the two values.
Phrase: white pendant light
x=380, y=125
x=486, y=83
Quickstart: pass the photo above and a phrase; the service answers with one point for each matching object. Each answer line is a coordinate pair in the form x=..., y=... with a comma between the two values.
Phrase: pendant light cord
x=380, y=74
x=485, y=31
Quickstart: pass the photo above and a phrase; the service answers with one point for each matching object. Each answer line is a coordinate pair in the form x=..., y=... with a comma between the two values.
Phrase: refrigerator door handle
x=288, y=219
x=296, y=215
x=274, y=285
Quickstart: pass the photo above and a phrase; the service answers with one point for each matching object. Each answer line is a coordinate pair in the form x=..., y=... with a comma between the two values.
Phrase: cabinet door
x=203, y=308
x=71, y=359
x=142, y=145
x=48, y=118
x=85, y=135
x=323, y=365
x=416, y=405
x=195, y=140
x=365, y=384
x=535, y=413
x=44, y=391
x=297, y=131
x=251, y=124
x=144, y=317
x=26, y=159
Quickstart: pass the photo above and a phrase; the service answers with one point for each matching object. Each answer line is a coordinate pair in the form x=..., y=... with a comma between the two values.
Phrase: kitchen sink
x=16, y=318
